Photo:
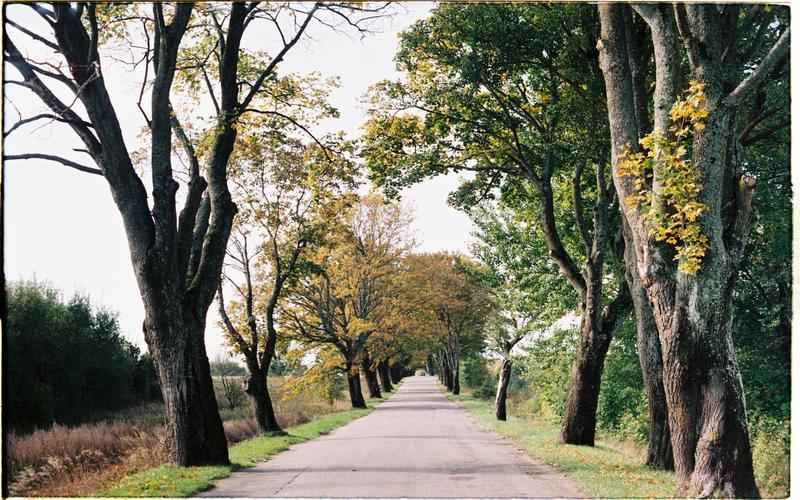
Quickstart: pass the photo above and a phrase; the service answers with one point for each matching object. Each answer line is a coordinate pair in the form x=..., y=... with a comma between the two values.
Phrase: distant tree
x=513, y=93
x=522, y=280
x=221, y=367
x=346, y=299
x=289, y=193
x=450, y=307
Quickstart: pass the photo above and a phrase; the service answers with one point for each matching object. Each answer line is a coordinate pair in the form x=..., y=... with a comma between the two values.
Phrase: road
x=415, y=444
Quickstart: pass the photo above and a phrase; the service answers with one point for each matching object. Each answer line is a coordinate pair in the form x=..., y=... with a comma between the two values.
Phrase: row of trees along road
x=605, y=148
x=622, y=132
x=196, y=55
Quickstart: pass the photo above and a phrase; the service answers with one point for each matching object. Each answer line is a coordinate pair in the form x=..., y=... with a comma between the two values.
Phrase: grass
x=172, y=481
x=610, y=469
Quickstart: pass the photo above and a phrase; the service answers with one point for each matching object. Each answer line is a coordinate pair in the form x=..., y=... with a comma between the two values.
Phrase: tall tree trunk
x=659, y=446
x=195, y=435
x=580, y=411
x=386, y=378
x=502, y=390
x=261, y=402
x=692, y=312
x=371, y=378
x=354, y=388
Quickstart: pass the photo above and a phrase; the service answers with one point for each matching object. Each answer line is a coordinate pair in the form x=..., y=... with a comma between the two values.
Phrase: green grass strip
x=607, y=470
x=173, y=481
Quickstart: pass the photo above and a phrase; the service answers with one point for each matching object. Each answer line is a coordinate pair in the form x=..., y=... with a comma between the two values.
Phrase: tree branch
x=58, y=159
x=278, y=58
x=776, y=54
x=42, y=116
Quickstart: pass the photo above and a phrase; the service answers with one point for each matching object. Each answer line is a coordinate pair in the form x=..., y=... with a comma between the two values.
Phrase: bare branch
x=58, y=159
x=32, y=34
x=776, y=54
x=325, y=149
x=42, y=116
x=278, y=58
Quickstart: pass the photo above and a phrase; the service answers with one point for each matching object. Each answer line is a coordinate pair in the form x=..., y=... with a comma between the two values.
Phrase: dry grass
x=59, y=460
x=76, y=461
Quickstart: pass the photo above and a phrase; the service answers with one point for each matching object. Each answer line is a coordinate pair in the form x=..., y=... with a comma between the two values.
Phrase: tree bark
x=502, y=390
x=261, y=403
x=354, y=388
x=692, y=312
x=385, y=376
x=659, y=446
x=195, y=435
x=448, y=377
x=370, y=377
x=580, y=411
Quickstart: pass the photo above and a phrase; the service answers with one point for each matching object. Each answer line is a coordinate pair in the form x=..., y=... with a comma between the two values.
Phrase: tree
x=289, y=192
x=688, y=203
x=527, y=290
x=451, y=307
x=503, y=91
x=342, y=303
x=177, y=256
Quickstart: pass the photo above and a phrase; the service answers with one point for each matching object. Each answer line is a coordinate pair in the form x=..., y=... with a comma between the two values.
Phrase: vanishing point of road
x=415, y=444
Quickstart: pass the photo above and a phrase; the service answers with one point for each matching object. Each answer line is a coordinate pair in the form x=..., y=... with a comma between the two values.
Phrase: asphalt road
x=416, y=444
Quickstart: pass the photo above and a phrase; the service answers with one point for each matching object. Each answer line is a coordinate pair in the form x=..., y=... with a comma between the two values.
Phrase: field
x=81, y=460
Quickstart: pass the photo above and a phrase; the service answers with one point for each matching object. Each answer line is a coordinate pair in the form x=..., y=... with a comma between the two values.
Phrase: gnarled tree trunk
x=659, y=445
x=261, y=402
x=502, y=390
x=195, y=435
x=455, y=374
x=580, y=411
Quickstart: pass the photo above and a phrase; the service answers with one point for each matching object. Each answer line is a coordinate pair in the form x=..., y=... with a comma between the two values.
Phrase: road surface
x=415, y=444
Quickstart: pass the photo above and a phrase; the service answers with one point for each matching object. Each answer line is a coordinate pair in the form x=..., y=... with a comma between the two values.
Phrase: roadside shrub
x=771, y=447
x=545, y=368
x=622, y=405
x=229, y=391
x=487, y=390
x=475, y=373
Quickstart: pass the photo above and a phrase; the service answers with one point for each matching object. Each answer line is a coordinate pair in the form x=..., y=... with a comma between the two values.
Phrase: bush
x=487, y=390
x=771, y=443
x=622, y=405
x=474, y=372
x=546, y=369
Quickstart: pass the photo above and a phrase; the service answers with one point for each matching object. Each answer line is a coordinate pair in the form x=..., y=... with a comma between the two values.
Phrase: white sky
x=62, y=226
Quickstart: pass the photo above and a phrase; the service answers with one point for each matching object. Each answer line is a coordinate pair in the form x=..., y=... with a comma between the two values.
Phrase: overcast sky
x=62, y=226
